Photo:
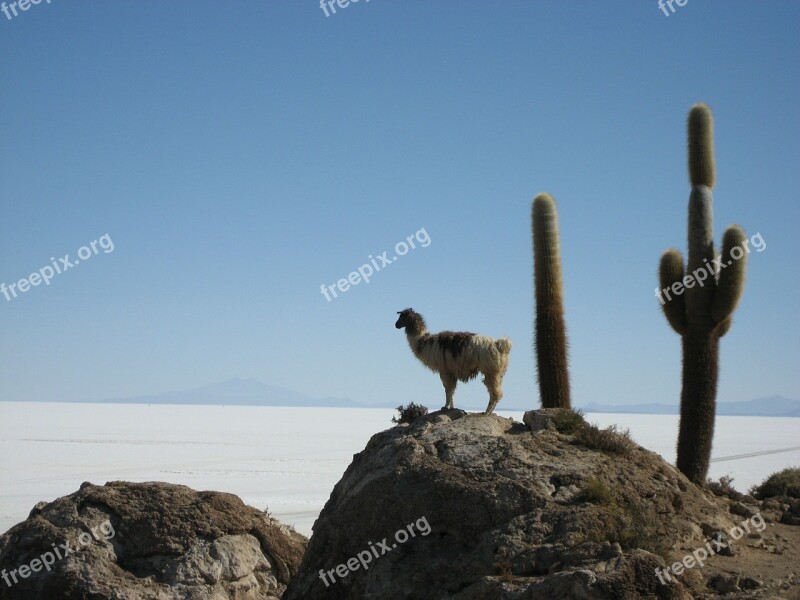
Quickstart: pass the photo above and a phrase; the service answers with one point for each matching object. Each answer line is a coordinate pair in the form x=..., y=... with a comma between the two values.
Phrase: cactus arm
x=724, y=326
x=731, y=278
x=670, y=272
x=700, y=129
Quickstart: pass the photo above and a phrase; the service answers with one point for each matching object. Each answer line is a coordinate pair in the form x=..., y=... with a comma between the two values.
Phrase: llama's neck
x=413, y=335
x=416, y=327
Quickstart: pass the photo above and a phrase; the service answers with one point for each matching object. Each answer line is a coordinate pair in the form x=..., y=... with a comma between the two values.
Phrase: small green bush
x=782, y=483
x=596, y=492
x=610, y=439
x=409, y=413
x=568, y=421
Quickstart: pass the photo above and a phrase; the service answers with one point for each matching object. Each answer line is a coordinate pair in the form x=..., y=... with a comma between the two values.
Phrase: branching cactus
x=551, y=336
x=698, y=300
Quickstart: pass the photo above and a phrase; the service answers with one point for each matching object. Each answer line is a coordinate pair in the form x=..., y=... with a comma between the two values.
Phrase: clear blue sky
x=240, y=155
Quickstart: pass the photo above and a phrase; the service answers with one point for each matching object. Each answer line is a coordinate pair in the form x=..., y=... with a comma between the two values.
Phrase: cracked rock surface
x=149, y=541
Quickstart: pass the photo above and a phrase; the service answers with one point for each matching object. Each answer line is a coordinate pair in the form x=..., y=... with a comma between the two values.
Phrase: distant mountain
x=238, y=392
x=633, y=409
x=774, y=406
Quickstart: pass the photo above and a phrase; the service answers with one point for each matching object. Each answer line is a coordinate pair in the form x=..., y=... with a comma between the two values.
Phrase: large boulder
x=472, y=507
x=148, y=541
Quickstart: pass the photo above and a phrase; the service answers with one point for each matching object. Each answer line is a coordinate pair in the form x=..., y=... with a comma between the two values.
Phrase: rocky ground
x=148, y=541
x=762, y=564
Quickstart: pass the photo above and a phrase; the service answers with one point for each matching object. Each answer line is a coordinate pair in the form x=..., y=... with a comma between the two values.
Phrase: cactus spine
x=701, y=314
x=551, y=337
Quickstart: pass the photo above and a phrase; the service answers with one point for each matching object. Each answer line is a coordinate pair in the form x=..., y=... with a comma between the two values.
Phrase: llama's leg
x=494, y=383
x=449, y=383
x=495, y=386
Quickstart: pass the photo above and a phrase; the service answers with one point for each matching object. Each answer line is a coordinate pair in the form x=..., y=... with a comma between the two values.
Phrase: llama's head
x=412, y=321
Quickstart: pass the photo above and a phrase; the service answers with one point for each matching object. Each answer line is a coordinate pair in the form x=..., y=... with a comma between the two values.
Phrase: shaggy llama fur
x=458, y=356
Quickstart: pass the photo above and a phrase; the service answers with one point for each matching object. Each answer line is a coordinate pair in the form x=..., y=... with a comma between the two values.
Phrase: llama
x=458, y=356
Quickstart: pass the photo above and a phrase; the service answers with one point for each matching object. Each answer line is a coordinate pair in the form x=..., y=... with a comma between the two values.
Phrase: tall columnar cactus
x=551, y=336
x=699, y=300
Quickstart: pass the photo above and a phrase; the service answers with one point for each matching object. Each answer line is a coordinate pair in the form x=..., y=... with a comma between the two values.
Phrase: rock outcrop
x=472, y=507
x=148, y=541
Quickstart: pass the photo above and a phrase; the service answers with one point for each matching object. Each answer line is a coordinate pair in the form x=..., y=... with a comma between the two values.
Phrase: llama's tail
x=503, y=345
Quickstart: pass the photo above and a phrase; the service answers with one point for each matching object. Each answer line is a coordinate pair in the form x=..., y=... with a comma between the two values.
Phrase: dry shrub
x=409, y=413
x=611, y=439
